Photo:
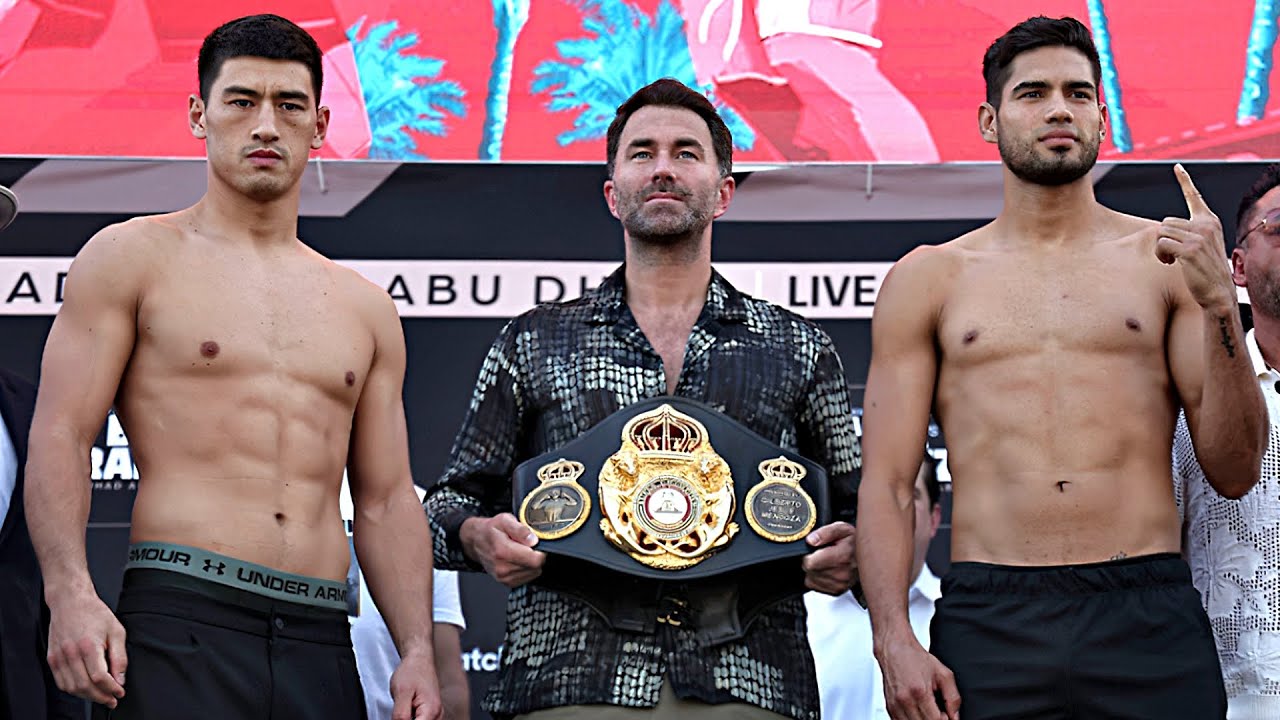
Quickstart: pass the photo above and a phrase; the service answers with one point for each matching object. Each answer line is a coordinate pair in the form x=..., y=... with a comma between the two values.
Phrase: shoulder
x=139, y=239
x=768, y=317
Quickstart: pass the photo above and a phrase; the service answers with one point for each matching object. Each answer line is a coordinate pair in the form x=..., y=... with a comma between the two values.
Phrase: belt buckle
x=673, y=611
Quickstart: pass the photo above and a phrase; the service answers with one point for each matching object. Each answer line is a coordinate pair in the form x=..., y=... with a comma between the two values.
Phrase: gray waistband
x=247, y=576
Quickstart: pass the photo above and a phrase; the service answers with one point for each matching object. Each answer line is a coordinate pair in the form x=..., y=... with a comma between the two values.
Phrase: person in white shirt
x=1233, y=546
x=376, y=656
x=850, y=686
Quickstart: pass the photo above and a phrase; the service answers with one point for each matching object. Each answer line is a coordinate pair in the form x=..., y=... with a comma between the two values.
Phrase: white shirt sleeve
x=446, y=603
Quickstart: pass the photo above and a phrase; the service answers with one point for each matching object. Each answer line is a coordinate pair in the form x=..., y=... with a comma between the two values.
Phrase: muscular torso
x=238, y=401
x=1056, y=398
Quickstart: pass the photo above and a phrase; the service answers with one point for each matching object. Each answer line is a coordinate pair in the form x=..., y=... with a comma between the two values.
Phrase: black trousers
x=199, y=649
x=1126, y=639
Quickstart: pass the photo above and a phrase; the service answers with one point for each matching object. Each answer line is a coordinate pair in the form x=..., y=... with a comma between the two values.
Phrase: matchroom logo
x=110, y=462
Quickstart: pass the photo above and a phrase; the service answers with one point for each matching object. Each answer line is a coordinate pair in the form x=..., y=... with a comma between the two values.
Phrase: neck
x=230, y=213
x=669, y=276
x=1042, y=214
x=1266, y=331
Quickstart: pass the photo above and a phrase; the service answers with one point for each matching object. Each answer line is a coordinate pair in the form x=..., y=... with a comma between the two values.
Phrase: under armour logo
x=208, y=565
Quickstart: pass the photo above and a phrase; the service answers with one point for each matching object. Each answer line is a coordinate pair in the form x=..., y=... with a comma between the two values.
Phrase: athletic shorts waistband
x=1141, y=572
x=239, y=574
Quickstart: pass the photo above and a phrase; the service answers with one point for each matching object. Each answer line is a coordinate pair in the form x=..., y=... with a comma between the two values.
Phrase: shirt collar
x=927, y=585
x=724, y=302
x=1255, y=354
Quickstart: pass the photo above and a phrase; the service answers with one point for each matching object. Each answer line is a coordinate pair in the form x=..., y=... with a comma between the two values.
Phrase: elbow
x=1235, y=479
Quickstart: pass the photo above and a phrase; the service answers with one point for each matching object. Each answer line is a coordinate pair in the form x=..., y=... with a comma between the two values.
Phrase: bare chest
x=295, y=326
x=1000, y=309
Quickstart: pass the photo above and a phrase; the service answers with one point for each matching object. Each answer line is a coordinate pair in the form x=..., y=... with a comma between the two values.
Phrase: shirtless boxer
x=1056, y=344
x=248, y=371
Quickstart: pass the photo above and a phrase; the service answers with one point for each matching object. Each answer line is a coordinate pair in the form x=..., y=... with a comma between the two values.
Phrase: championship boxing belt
x=669, y=511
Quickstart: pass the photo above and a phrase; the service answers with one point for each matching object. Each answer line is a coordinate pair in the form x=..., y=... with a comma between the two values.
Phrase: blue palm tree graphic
x=401, y=92
x=1257, y=62
x=509, y=16
x=626, y=51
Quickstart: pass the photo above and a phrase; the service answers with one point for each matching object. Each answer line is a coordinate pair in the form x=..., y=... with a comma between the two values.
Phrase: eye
x=291, y=107
x=641, y=155
x=688, y=154
x=242, y=102
x=1031, y=94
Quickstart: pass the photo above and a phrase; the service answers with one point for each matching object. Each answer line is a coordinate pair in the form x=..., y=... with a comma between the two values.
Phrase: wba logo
x=111, y=464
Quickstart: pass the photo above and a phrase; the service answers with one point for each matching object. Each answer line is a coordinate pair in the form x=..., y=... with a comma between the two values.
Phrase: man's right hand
x=913, y=682
x=504, y=547
x=86, y=649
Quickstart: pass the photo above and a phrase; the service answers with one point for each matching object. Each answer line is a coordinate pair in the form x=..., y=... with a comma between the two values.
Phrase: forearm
x=884, y=557
x=447, y=509
x=57, y=499
x=393, y=544
x=1232, y=422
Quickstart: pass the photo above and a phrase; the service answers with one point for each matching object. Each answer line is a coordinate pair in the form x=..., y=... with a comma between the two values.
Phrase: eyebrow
x=680, y=142
x=1042, y=85
x=251, y=93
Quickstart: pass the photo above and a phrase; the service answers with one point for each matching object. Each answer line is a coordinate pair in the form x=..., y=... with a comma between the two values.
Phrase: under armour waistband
x=229, y=571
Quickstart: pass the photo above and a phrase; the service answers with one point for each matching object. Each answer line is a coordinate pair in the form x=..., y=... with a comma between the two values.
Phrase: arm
x=391, y=535
x=824, y=433
x=470, y=507
x=1208, y=360
x=85, y=355
x=455, y=693
x=900, y=388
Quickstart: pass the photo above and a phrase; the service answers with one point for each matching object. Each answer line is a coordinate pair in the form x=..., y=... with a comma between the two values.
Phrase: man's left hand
x=831, y=569
x=415, y=694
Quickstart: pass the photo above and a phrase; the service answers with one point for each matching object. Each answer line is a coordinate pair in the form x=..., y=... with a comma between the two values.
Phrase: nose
x=1058, y=111
x=663, y=168
x=265, y=130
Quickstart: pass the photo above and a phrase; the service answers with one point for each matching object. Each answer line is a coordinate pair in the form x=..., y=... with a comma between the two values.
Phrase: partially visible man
x=1056, y=345
x=27, y=687
x=665, y=323
x=1233, y=546
x=849, y=679
x=248, y=371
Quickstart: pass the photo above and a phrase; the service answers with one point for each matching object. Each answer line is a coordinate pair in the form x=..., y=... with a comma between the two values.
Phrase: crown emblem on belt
x=666, y=496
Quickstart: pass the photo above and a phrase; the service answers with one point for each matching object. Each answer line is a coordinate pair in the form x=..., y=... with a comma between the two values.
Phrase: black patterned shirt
x=558, y=370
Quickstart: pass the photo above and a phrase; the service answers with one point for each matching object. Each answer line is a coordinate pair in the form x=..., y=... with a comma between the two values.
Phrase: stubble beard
x=1062, y=168
x=666, y=226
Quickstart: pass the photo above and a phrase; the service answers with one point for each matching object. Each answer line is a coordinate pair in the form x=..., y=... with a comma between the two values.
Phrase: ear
x=611, y=198
x=1237, y=267
x=1102, y=127
x=322, y=128
x=195, y=117
x=935, y=519
x=987, y=122
x=725, y=195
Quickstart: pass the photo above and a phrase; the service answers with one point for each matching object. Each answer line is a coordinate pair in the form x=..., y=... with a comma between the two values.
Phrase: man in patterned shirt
x=664, y=324
x=1233, y=546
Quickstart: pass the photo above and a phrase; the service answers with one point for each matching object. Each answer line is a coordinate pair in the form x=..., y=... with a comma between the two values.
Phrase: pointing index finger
x=1195, y=202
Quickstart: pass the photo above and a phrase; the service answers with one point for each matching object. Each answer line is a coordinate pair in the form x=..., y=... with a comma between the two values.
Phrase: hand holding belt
x=686, y=532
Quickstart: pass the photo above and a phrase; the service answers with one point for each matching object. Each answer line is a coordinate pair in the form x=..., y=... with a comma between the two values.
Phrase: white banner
x=505, y=288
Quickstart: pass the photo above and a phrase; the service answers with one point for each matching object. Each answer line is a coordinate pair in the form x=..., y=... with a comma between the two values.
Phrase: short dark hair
x=1265, y=183
x=670, y=92
x=1032, y=33
x=264, y=36
x=929, y=466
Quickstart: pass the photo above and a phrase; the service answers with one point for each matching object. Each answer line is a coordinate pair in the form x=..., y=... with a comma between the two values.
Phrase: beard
x=666, y=224
x=1061, y=168
x=1264, y=292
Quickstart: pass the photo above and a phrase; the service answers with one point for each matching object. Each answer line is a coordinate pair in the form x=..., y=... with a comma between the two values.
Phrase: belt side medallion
x=559, y=505
x=777, y=508
x=666, y=496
